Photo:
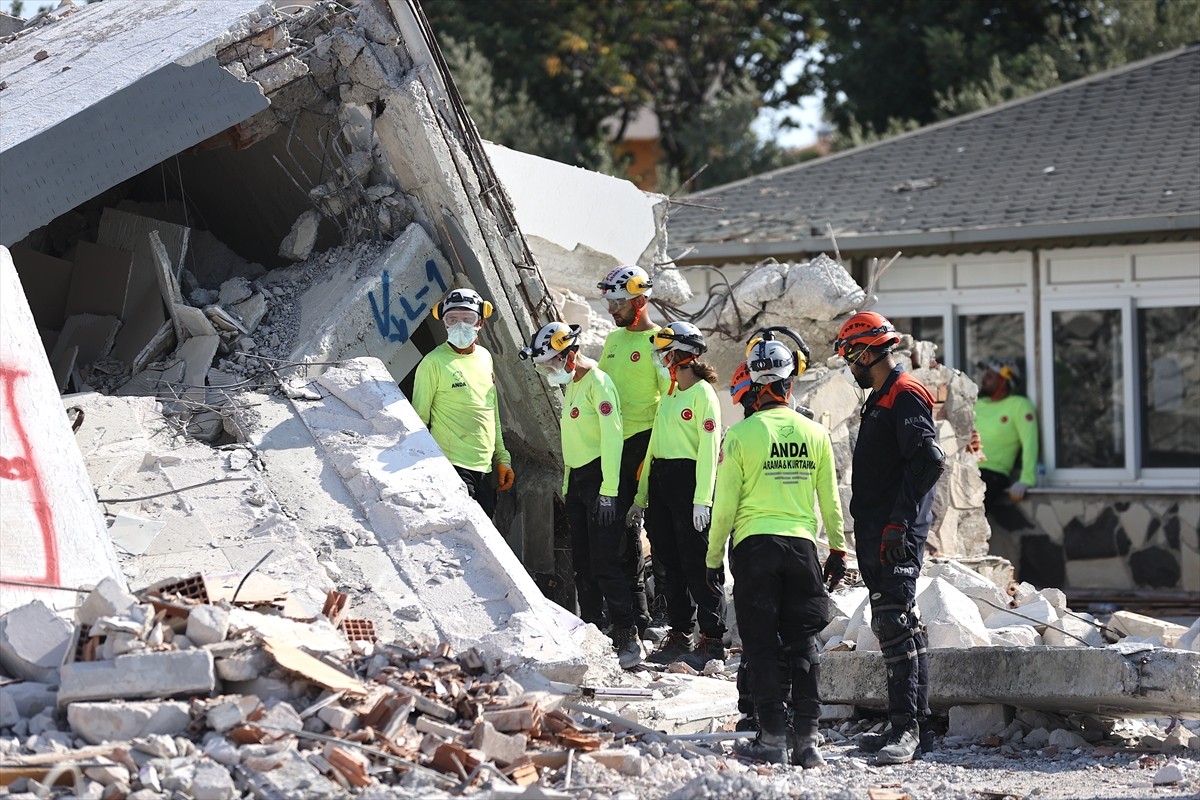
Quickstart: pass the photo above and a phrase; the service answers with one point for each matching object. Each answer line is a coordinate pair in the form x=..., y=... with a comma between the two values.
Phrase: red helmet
x=741, y=384
x=866, y=328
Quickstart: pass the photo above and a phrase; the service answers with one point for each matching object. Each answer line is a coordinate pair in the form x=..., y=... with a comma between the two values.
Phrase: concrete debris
x=33, y=642
x=298, y=244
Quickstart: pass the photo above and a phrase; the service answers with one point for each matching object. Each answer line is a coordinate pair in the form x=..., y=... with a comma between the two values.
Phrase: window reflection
x=1089, y=410
x=985, y=336
x=1170, y=386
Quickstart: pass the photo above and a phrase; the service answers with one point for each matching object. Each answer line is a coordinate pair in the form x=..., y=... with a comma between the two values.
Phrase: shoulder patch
x=606, y=408
x=1028, y=417
x=574, y=412
x=1004, y=419
x=686, y=414
x=710, y=425
x=636, y=355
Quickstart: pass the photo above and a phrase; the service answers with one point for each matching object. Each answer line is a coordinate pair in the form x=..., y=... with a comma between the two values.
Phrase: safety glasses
x=551, y=365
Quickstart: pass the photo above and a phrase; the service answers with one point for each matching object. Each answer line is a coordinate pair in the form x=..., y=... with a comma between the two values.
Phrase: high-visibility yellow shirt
x=1008, y=428
x=775, y=467
x=454, y=394
x=688, y=425
x=591, y=429
x=627, y=358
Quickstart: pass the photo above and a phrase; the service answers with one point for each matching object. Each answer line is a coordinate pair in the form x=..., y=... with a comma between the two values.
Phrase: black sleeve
x=914, y=425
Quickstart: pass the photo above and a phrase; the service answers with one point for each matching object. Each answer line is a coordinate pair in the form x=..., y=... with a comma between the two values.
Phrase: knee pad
x=895, y=629
x=804, y=655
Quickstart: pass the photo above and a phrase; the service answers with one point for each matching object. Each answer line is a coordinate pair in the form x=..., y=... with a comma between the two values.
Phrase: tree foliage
x=582, y=62
x=885, y=64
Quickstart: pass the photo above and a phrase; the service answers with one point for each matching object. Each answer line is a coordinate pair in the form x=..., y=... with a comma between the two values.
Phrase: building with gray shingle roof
x=1061, y=230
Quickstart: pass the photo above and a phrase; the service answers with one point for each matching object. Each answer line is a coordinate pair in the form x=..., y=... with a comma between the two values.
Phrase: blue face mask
x=462, y=335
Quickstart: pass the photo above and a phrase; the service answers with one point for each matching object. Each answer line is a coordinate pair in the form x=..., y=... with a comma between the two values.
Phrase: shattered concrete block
x=1169, y=774
x=338, y=718
x=509, y=719
x=1037, y=738
x=138, y=675
x=29, y=697
x=986, y=595
x=120, y=721
x=251, y=311
x=298, y=244
x=108, y=599
x=1055, y=597
x=1015, y=636
x=625, y=760
x=213, y=782
x=288, y=774
x=496, y=746
x=1191, y=639
x=9, y=716
x=951, y=618
x=1128, y=623
x=1038, y=613
x=979, y=721
x=207, y=624
x=1067, y=740
x=108, y=773
x=244, y=666
x=231, y=712
x=1070, y=629
x=234, y=290
x=834, y=711
x=33, y=642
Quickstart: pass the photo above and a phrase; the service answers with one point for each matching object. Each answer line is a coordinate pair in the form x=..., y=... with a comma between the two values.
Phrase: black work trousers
x=999, y=506
x=479, y=486
x=596, y=552
x=633, y=559
x=680, y=549
x=781, y=605
x=902, y=639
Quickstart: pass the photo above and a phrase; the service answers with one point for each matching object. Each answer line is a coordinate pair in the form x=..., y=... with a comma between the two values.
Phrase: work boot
x=901, y=746
x=747, y=723
x=628, y=644
x=707, y=648
x=772, y=748
x=675, y=645
x=805, y=753
x=874, y=742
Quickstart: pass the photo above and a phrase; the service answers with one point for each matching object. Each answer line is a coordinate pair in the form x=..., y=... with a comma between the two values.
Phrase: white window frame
x=1032, y=382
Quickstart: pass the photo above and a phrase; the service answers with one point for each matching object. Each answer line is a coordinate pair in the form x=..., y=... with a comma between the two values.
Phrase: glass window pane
x=1089, y=408
x=985, y=336
x=1170, y=360
x=923, y=329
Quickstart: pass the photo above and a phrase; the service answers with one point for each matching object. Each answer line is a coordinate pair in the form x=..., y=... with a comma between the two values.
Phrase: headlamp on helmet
x=553, y=339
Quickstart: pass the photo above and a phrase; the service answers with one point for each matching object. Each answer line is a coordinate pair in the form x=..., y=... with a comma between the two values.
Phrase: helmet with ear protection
x=463, y=298
x=1006, y=368
x=625, y=283
x=769, y=359
x=682, y=336
x=551, y=340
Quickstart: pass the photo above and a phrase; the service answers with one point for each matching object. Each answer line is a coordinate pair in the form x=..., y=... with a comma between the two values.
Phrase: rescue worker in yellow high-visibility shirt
x=591, y=448
x=626, y=358
x=454, y=394
x=674, y=495
x=775, y=468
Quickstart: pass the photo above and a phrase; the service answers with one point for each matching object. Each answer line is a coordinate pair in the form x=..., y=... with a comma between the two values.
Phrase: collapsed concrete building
x=232, y=297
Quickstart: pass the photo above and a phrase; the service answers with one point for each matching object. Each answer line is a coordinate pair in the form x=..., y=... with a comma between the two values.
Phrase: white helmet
x=468, y=299
x=551, y=340
x=625, y=283
x=682, y=336
x=769, y=361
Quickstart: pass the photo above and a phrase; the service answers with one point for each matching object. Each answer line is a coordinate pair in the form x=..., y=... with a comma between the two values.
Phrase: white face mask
x=559, y=377
x=462, y=335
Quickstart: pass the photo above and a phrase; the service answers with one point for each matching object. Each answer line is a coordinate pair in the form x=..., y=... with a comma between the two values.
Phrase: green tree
x=581, y=61
x=885, y=64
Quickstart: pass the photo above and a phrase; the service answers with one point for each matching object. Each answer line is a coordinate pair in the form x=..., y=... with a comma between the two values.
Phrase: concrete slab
x=46, y=281
x=1143, y=682
x=162, y=674
x=99, y=281
x=90, y=334
x=120, y=721
x=54, y=534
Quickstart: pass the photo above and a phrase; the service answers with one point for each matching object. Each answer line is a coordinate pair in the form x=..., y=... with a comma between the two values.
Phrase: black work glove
x=606, y=510
x=835, y=569
x=891, y=546
x=714, y=579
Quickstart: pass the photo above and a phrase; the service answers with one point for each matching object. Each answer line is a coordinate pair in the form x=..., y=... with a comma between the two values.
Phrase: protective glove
x=606, y=510
x=634, y=517
x=714, y=579
x=891, y=546
x=1017, y=491
x=835, y=569
x=504, y=477
x=700, y=517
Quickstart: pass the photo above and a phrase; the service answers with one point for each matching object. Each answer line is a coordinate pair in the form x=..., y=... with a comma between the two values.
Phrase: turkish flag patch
x=1028, y=417
x=606, y=408
x=710, y=425
x=574, y=412
x=635, y=356
x=686, y=413
x=1003, y=420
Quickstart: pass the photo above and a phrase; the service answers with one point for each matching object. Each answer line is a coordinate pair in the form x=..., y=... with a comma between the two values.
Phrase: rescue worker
x=626, y=358
x=896, y=465
x=454, y=394
x=591, y=448
x=674, y=495
x=775, y=468
x=1008, y=432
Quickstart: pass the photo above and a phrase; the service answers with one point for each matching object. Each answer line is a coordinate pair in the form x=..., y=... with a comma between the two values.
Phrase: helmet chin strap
x=767, y=395
x=637, y=311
